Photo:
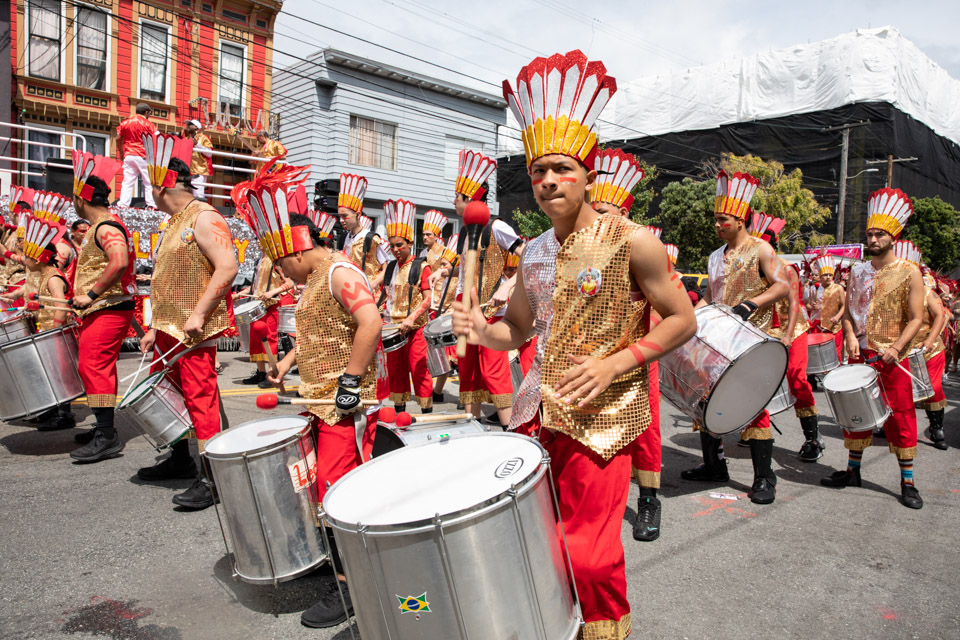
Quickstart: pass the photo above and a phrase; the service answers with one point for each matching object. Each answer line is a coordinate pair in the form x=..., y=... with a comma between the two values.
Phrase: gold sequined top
x=889, y=305
x=181, y=276
x=46, y=317
x=782, y=307
x=198, y=161
x=267, y=279
x=832, y=301
x=91, y=264
x=325, y=333
x=494, y=258
x=928, y=319
x=433, y=256
x=735, y=276
x=438, y=293
x=368, y=263
x=399, y=291
x=580, y=295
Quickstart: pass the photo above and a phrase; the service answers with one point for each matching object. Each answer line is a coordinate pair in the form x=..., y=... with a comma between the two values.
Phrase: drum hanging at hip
x=15, y=325
x=392, y=338
x=390, y=437
x=821, y=354
x=286, y=320
x=438, y=334
x=726, y=374
x=856, y=397
x=783, y=400
x=39, y=372
x=922, y=386
x=249, y=312
x=420, y=567
x=266, y=476
x=155, y=407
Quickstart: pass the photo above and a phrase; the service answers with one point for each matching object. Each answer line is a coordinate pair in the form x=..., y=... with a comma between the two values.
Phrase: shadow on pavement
x=287, y=597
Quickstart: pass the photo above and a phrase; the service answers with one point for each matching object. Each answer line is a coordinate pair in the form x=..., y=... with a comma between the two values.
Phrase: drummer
x=361, y=245
x=194, y=267
x=934, y=352
x=883, y=314
x=444, y=290
x=600, y=400
x=407, y=306
x=268, y=283
x=432, y=236
x=834, y=300
x=746, y=275
x=103, y=294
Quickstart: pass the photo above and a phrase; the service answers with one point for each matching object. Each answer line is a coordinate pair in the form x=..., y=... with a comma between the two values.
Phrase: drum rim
x=325, y=557
x=159, y=375
x=32, y=338
x=876, y=377
x=262, y=450
x=730, y=368
x=35, y=336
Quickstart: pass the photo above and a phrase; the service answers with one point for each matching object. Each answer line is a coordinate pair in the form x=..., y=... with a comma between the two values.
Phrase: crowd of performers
x=589, y=307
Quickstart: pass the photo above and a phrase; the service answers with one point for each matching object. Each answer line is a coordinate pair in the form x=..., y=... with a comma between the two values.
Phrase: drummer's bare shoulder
x=662, y=286
x=350, y=288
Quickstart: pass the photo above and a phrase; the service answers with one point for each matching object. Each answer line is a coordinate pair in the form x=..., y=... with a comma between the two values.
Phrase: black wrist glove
x=745, y=309
x=348, y=394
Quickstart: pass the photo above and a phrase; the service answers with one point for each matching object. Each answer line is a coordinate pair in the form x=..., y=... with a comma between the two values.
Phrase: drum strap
x=443, y=296
x=413, y=281
x=359, y=426
x=212, y=342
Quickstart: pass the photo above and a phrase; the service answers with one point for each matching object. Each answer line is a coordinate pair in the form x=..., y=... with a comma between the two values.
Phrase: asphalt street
x=89, y=551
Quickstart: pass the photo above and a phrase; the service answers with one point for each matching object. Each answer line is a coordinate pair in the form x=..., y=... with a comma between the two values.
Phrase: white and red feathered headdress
x=39, y=234
x=434, y=221
x=400, y=216
x=734, y=194
x=825, y=264
x=672, y=252
x=352, y=190
x=325, y=224
x=617, y=174
x=557, y=101
x=160, y=149
x=365, y=224
x=889, y=209
x=657, y=231
x=19, y=194
x=473, y=169
x=766, y=227
x=50, y=206
x=450, y=250
x=85, y=165
x=512, y=260
x=265, y=204
x=906, y=250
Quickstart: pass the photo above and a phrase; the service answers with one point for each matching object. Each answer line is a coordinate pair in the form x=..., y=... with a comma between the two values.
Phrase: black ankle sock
x=648, y=492
x=104, y=416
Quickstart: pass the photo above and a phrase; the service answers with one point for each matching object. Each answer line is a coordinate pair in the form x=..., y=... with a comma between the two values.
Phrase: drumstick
x=271, y=400
x=34, y=306
x=902, y=368
x=475, y=217
x=440, y=417
x=272, y=359
x=36, y=296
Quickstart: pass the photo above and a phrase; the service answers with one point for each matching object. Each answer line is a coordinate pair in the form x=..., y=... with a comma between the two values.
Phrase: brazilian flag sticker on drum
x=411, y=604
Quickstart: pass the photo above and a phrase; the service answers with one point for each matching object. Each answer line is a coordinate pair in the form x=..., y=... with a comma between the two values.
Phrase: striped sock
x=853, y=463
x=906, y=471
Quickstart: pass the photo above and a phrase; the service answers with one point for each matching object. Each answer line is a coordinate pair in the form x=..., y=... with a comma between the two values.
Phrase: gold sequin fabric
x=91, y=263
x=400, y=290
x=438, y=293
x=832, y=301
x=325, y=333
x=889, y=305
x=606, y=629
x=181, y=276
x=783, y=307
x=198, y=161
x=735, y=276
x=46, y=317
x=924, y=332
x=598, y=325
x=859, y=293
x=368, y=263
x=494, y=258
x=266, y=279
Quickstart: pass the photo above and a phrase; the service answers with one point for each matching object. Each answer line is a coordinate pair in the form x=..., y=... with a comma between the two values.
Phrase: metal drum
x=856, y=397
x=438, y=334
x=821, y=354
x=243, y=332
x=15, y=325
x=392, y=338
x=266, y=476
x=418, y=558
x=922, y=386
x=39, y=372
x=390, y=437
x=783, y=400
x=516, y=370
x=155, y=406
x=286, y=320
x=249, y=312
x=725, y=375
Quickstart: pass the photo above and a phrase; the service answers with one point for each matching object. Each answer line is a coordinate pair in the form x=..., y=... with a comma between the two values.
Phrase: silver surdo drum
x=821, y=354
x=286, y=320
x=15, y=325
x=418, y=558
x=783, y=400
x=725, y=375
x=155, y=407
x=856, y=397
x=438, y=334
x=266, y=475
x=249, y=312
x=390, y=437
x=922, y=386
x=392, y=338
x=39, y=372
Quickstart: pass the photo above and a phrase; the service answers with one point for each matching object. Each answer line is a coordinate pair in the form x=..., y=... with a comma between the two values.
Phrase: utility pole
x=845, y=128
x=889, y=162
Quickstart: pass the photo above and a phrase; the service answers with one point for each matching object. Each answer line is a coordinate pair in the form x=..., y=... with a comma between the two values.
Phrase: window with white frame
x=45, y=39
x=153, y=62
x=96, y=143
x=231, y=79
x=90, y=28
x=452, y=146
x=373, y=143
x=38, y=154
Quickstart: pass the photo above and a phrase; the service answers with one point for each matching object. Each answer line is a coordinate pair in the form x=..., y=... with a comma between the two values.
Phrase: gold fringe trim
x=425, y=403
x=502, y=400
x=471, y=397
x=932, y=406
x=102, y=400
x=903, y=453
x=805, y=412
x=647, y=479
x=259, y=357
x=858, y=444
x=756, y=433
x=202, y=445
x=398, y=398
x=606, y=629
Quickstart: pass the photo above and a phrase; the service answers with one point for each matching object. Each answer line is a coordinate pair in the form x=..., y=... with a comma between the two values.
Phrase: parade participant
x=270, y=148
x=103, y=294
x=934, y=352
x=590, y=377
x=130, y=134
x=201, y=162
x=883, y=315
x=484, y=372
x=813, y=298
x=406, y=284
x=432, y=236
x=268, y=283
x=746, y=275
x=444, y=290
x=361, y=244
x=194, y=267
x=834, y=300
x=78, y=230
x=617, y=174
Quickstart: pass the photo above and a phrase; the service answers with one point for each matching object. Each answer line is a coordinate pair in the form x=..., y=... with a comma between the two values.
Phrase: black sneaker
x=256, y=378
x=265, y=384
x=646, y=528
x=910, y=497
x=200, y=495
x=328, y=612
x=762, y=492
x=703, y=473
x=438, y=397
x=461, y=407
x=84, y=436
x=169, y=469
x=811, y=451
x=63, y=421
x=841, y=479
x=99, y=448
x=936, y=437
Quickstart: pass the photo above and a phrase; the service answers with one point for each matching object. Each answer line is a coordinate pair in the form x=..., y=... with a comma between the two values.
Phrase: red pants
x=645, y=450
x=410, y=360
x=527, y=352
x=759, y=429
x=337, y=453
x=485, y=376
x=901, y=427
x=101, y=335
x=935, y=367
x=196, y=377
x=797, y=378
x=264, y=329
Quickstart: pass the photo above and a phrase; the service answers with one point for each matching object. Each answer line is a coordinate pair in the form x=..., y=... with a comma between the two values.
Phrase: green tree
x=686, y=211
x=643, y=194
x=935, y=229
x=530, y=224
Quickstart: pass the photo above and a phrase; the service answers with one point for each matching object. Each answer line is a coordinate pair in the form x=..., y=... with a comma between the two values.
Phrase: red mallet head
x=267, y=401
x=476, y=213
x=387, y=414
x=33, y=306
x=404, y=420
x=33, y=296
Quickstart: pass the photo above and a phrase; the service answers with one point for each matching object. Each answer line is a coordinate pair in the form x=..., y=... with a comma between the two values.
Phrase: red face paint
x=537, y=181
x=568, y=179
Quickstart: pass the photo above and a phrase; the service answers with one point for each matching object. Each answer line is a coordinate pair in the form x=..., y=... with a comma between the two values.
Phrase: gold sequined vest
x=91, y=263
x=367, y=263
x=403, y=292
x=46, y=317
x=889, y=305
x=924, y=332
x=832, y=301
x=181, y=276
x=325, y=333
x=783, y=307
x=267, y=279
x=735, y=276
x=494, y=259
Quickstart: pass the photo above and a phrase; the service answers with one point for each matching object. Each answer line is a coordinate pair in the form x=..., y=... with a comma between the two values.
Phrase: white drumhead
x=746, y=387
x=141, y=389
x=257, y=434
x=441, y=325
x=246, y=306
x=415, y=483
x=849, y=377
